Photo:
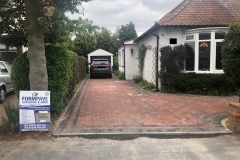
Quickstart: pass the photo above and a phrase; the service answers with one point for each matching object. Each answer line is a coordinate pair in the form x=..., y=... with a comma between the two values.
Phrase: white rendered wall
x=165, y=34
x=148, y=72
x=131, y=68
x=121, y=59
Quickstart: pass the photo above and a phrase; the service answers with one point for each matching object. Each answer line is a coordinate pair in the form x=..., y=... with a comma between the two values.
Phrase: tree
x=85, y=41
x=125, y=32
x=231, y=54
x=90, y=37
x=105, y=40
x=26, y=22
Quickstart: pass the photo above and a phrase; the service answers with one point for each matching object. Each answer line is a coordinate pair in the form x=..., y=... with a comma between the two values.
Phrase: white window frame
x=213, y=41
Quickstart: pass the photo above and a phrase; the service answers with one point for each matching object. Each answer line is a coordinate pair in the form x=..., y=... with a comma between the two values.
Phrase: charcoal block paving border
x=211, y=123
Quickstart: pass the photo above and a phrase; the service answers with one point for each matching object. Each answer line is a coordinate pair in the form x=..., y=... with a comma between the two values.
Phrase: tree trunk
x=38, y=77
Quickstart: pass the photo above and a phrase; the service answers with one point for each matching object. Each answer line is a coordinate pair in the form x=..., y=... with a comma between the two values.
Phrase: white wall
x=164, y=33
x=121, y=59
x=131, y=61
x=149, y=64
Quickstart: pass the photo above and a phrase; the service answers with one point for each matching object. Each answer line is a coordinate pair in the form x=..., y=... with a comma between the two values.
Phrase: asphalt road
x=142, y=148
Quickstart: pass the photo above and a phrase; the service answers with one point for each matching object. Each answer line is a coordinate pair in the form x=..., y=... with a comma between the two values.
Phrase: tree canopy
x=35, y=22
x=90, y=37
x=125, y=32
x=231, y=54
x=51, y=18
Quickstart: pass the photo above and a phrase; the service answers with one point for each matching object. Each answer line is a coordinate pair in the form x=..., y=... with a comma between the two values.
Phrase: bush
x=146, y=85
x=19, y=73
x=137, y=79
x=115, y=64
x=202, y=84
x=120, y=75
x=173, y=58
x=173, y=81
x=231, y=54
x=59, y=72
x=11, y=123
x=74, y=73
x=62, y=75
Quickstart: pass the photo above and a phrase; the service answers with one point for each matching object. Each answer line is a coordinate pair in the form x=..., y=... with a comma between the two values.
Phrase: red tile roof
x=203, y=12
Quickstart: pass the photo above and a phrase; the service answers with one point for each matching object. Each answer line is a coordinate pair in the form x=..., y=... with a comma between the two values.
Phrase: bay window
x=203, y=48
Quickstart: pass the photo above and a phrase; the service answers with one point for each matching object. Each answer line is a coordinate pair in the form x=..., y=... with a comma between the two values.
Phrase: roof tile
x=203, y=12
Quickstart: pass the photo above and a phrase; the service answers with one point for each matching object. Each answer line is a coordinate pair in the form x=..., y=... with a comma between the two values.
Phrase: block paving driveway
x=110, y=106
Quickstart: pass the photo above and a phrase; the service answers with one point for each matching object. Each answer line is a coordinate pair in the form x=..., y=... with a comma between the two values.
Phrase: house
x=200, y=24
x=8, y=54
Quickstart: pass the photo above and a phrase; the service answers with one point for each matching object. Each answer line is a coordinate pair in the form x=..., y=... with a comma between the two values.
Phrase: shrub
x=146, y=85
x=59, y=72
x=120, y=75
x=115, y=64
x=203, y=84
x=173, y=58
x=137, y=79
x=74, y=73
x=231, y=54
x=173, y=81
x=60, y=67
x=19, y=73
x=11, y=123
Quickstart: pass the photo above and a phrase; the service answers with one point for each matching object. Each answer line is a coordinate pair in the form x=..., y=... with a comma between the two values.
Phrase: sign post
x=34, y=111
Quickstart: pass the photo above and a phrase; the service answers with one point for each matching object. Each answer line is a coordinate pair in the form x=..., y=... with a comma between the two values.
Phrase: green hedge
x=202, y=84
x=58, y=68
x=62, y=75
x=74, y=74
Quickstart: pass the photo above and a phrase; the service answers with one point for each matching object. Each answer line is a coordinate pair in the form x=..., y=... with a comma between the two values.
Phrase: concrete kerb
x=133, y=135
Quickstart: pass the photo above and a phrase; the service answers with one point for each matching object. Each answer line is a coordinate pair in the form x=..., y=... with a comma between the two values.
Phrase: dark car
x=100, y=67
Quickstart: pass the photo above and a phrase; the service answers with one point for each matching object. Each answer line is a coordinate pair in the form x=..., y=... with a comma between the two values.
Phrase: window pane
x=190, y=37
x=218, y=56
x=203, y=36
x=190, y=56
x=3, y=68
x=220, y=35
x=173, y=40
x=204, y=56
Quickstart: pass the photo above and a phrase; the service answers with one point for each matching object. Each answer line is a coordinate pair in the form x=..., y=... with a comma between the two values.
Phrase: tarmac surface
x=104, y=106
x=225, y=147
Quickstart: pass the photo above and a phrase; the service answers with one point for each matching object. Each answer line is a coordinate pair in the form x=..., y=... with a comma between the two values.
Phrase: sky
x=113, y=13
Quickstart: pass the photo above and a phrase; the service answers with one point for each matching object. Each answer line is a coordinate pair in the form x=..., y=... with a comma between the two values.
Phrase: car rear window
x=100, y=62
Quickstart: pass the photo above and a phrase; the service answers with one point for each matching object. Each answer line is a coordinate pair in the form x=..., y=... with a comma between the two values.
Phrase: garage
x=100, y=53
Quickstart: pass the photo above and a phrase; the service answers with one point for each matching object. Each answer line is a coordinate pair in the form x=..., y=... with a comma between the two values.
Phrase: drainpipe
x=124, y=61
x=156, y=80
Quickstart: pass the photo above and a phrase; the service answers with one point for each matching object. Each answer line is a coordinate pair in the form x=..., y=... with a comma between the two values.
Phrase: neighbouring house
x=100, y=53
x=200, y=24
x=8, y=54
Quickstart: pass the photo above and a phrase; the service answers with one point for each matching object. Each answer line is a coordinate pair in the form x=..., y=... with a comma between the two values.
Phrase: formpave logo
x=34, y=99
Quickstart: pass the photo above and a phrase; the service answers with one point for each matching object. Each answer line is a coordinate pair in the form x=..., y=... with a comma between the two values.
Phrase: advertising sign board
x=34, y=111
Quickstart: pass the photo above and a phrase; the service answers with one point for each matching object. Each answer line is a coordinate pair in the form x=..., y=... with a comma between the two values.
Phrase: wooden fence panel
x=82, y=68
